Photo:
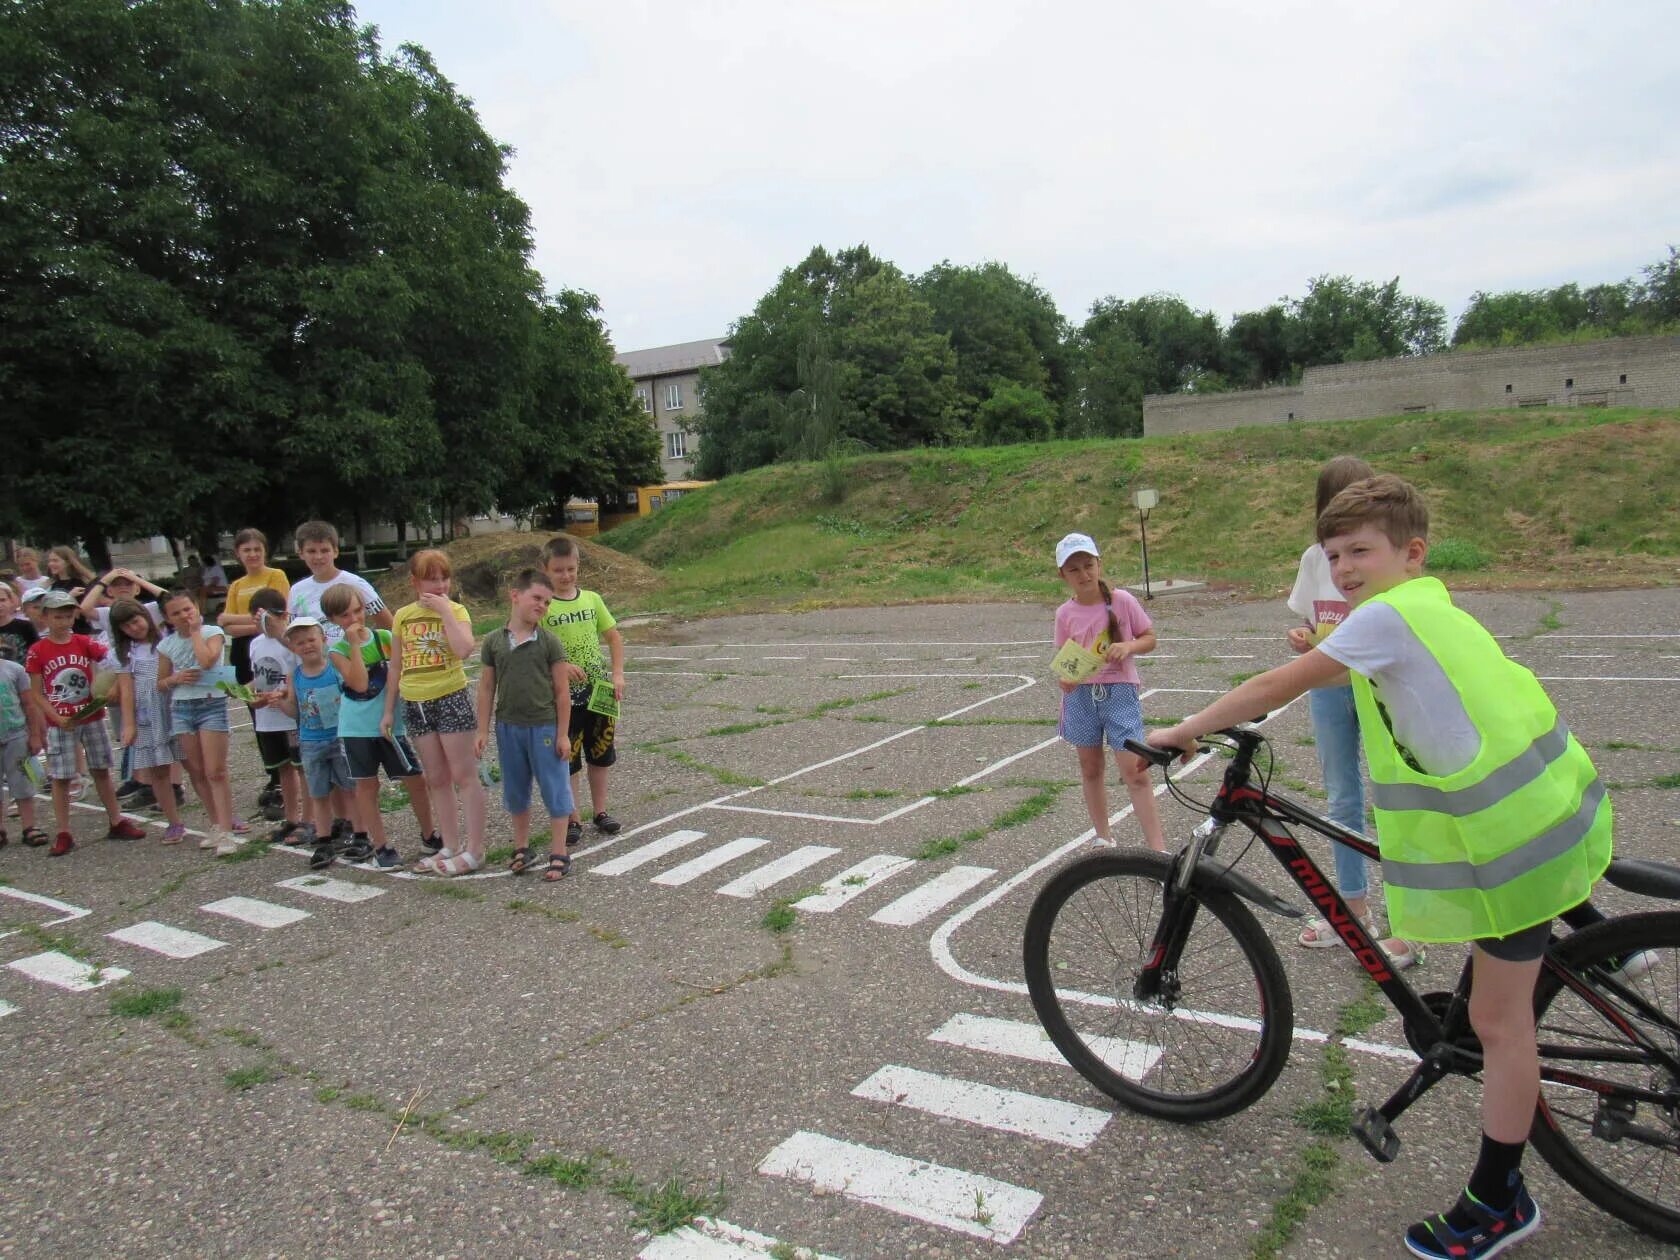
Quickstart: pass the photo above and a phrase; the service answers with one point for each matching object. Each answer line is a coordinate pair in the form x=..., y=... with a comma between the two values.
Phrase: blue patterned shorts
x=1092, y=710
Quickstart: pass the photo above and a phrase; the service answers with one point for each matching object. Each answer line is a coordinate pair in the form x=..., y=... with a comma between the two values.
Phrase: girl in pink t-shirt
x=1112, y=624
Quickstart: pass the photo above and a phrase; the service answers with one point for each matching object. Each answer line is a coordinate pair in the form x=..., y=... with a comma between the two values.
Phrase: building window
x=673, y=398
x=642, y=397
x=1623, y=380
x=676, y=445
x=1507, y=389
x=1291, y=416
x=1569, y=382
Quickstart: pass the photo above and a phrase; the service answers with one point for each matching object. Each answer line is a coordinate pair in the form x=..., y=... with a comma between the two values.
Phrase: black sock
x=1494, y=1180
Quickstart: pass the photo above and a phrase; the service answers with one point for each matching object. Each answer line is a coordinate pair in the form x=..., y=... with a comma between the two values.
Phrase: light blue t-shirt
x=14, y=687
x=317, y=704
x=179, y=650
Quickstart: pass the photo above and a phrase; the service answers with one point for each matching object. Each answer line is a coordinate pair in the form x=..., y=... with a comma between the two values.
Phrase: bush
x=1014, y=413
x=1454, y=555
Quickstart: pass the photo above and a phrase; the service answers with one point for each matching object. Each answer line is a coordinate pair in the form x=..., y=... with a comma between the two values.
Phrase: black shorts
x=368, y=753
x=278, y=748
x=592, y=737
x=1523, y=946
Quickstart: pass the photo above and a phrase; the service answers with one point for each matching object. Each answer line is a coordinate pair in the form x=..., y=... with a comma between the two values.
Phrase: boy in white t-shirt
x=272, y=663
x=317, y=546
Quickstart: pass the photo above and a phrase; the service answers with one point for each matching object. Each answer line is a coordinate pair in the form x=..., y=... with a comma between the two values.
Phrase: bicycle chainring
x=1438, y=1003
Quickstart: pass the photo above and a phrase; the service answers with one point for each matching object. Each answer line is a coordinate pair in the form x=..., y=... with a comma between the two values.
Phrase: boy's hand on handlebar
x=1174, y=737
x=1300, y=639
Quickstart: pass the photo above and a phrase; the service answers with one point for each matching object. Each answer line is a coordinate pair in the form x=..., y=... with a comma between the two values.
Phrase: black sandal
x=559, y=866
x=34, y=837
x=520, y=862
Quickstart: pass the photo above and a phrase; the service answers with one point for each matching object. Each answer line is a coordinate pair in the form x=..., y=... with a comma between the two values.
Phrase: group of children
x=339, y=689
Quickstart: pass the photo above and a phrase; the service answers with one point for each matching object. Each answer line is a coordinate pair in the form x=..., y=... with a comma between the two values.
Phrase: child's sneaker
x=229, y=844
x=209, y=839
x=1103, y=842
x=431, y=845
x=1488, y=1233
x=1634, y=965
x=356, y=849
x=175, y=833
x=62, y=844
x=125, y=830
x=606, y=824
x=387, y=857
x=322, y=857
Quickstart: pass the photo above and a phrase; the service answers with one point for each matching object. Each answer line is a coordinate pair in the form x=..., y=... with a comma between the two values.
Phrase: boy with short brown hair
x=1491, y=819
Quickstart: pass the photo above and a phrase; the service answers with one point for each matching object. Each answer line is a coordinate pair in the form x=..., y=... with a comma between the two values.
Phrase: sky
x=677, y=157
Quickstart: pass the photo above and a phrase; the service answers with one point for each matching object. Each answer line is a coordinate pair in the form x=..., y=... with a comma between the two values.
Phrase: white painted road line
x=263, y=914
x=694, y=868
x=143, y=820
x=855, y=881
x=1586, y=656
x=966, y=1202
x=936, y=894
x=66, y=912
x=1018, y=1040
x=711, y=1239
x=6, y=1008
x=1020, y=656
x=784, y=658
x=64, y=972
x=772, y=873
x=1047, y=1119
x=1591, y=679
x=647, y=853
x=342, y=890
x=848, y=659
x=160, y=938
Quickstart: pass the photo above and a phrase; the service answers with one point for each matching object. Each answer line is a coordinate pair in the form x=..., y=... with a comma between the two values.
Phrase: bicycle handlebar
x=1245, y=734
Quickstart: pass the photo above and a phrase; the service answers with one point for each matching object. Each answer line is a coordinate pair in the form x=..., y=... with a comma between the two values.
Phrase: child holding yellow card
x=1107, y=627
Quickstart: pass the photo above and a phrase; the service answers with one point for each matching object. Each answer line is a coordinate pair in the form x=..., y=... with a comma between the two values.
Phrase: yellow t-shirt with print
x=430, y=668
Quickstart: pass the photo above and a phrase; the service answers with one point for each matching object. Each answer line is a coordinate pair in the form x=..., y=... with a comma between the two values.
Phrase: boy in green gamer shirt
x=1491, y=818
x=580, y=620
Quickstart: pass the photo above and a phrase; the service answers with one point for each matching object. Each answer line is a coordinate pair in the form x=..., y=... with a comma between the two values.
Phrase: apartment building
x=667, y=380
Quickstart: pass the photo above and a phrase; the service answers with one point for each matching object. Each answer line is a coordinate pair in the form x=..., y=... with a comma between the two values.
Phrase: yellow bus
x=639, y=501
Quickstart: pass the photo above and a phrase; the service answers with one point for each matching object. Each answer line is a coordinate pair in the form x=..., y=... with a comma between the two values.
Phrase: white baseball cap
x=303, y=623
x=1072, y=545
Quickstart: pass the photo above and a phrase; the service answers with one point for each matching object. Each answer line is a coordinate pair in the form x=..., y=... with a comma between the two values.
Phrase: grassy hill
x=1519, y=498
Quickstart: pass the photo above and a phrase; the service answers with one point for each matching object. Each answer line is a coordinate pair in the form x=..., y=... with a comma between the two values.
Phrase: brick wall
x=1626, y=372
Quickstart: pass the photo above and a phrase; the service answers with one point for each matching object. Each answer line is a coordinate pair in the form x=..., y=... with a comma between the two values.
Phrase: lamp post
x=1143, y=501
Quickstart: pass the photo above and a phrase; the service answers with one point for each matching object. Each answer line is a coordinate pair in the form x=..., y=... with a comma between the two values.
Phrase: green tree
x=1154, y=344
x=1342, y=320
x=1015, y=413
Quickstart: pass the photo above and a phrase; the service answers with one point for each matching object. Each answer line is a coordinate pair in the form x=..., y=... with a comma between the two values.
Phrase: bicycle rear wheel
x=1626, y=1160
x=1213, y=1048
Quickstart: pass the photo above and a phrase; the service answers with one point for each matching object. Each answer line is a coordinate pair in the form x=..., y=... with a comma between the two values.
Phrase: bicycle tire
x=1145, y=1055
x=1619, y=1176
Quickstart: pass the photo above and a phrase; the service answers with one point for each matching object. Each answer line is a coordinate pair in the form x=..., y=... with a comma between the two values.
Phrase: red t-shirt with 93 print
x=66, y=671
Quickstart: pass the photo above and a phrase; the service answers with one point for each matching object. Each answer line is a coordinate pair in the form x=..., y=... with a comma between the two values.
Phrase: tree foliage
x=1624, y=308
x=252, y=268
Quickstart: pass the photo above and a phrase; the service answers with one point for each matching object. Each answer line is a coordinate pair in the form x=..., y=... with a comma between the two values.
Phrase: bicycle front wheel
x=1619, y=1150
x=1217, y=1038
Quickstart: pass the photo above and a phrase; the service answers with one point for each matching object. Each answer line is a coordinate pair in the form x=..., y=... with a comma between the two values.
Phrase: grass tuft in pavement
x=241, y=1079
x=144, y=1003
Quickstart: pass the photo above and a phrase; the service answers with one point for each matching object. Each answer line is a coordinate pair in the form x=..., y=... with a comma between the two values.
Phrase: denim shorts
x=324, y=767
x=528, y=752
x=208, y=713
x=1092, y=710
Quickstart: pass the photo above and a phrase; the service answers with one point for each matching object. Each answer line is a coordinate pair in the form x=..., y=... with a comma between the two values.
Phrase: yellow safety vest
x=1515, y=838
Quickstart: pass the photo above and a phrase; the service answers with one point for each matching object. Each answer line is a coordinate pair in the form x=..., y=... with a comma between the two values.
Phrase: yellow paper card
x=1074, y=663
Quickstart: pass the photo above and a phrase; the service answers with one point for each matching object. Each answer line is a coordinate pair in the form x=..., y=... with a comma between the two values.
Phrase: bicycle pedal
x=1376, y=1134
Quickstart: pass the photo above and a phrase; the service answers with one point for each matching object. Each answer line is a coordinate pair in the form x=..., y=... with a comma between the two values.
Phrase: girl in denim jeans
x=190, y=668
x=1335, y=722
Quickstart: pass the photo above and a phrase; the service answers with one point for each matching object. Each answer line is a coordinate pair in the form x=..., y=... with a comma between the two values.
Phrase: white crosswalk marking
x=966, y=1202
x=771, y=873
x=6, y=1008
x=710, y=1239
x=263, y=914
x=160, y=938
x=647, y=853
x=64, y=972
x=937, y=893
x=1019, y=1040
x=710, y=861
x=854, y=882
x=1048, y=1119
x=342, y=890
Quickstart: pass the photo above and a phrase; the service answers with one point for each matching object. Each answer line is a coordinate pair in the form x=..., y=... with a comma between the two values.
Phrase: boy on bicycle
x=1490, y=817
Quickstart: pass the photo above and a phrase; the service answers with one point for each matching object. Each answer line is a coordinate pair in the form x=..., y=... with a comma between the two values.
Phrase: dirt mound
x=484, y=566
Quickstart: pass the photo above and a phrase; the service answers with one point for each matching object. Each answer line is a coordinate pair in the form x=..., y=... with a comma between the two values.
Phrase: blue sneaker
x=387, y=857
x=1489, y=1234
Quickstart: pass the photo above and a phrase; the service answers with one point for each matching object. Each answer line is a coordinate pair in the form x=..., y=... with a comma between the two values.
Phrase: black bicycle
x=1156, y=981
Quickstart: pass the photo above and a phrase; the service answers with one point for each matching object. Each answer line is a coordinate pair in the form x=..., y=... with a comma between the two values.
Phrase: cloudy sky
x=677, y=156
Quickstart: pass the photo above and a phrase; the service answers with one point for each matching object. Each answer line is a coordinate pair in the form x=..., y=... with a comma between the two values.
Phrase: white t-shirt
x=305, y=601
x=1429, y=720
x=272, y=663
x=25, y=585
x=1314, y=596
x=101, y=622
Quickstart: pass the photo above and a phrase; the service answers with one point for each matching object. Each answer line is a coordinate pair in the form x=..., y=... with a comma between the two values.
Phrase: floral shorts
x=447, y=715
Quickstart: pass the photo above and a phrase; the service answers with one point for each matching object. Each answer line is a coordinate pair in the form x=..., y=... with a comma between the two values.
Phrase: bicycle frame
x=1445, y=1041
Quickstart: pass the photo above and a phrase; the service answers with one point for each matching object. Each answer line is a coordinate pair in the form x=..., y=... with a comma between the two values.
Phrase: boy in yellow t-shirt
x=428, y=674
x=580, y=620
